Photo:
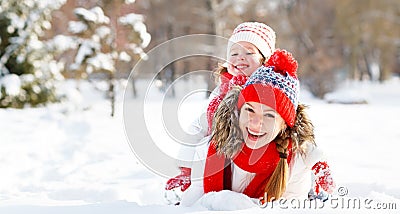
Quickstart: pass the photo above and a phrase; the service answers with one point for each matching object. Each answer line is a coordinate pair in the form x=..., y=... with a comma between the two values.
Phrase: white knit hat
x=258, y=34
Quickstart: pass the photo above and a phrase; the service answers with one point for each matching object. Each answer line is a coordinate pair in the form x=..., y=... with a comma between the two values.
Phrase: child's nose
x=241, y=56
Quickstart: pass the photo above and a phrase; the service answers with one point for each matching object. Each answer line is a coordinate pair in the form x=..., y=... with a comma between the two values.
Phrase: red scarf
x=262, y=161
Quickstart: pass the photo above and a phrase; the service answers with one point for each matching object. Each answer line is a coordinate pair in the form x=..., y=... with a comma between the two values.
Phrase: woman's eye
x=249, y=110
x=250, y=53
x=234, y=54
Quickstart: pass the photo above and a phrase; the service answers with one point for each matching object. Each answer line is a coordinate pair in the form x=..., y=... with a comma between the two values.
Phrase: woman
x=250, y=45
x=263, y=142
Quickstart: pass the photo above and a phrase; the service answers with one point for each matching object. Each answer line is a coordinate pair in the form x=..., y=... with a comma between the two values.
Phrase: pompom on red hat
x=275, y=85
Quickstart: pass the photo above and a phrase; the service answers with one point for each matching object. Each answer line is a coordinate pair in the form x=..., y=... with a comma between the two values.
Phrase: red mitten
x=182, y=180
x=323, y=178
x=238, y=80
x=224, y=87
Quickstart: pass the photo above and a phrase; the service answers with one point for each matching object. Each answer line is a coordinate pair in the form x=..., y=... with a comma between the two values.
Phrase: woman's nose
x=255, y=122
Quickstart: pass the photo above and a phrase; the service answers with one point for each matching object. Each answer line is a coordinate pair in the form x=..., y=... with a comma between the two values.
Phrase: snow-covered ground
x=74, y=158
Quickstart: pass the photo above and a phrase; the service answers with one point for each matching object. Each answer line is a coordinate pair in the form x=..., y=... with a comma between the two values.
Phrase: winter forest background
x=64, y=67
x=43, y=42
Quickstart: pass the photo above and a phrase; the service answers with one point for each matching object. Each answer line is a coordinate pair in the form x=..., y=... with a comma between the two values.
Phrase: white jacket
x=197, y=130
x=299, y=179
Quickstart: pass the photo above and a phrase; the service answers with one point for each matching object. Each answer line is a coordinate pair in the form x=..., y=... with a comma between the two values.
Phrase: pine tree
x=28, y=71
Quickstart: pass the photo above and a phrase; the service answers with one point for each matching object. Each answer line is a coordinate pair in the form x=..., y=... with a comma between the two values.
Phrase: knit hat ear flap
x=226, y=134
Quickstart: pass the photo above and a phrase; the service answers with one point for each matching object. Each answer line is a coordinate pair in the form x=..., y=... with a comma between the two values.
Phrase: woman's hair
x=226, y=134
x=227, y=138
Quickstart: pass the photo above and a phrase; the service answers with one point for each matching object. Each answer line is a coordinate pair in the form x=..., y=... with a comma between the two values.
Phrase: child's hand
x=238, y=80
x=182, y=180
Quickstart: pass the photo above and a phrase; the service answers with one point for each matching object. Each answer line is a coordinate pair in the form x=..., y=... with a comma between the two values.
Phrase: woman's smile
x=254, y=136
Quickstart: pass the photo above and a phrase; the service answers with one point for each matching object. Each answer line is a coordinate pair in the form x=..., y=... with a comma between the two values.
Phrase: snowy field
x=74, y=158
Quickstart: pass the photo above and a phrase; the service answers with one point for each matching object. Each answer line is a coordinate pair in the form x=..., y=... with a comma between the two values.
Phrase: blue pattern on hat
x=289, y=85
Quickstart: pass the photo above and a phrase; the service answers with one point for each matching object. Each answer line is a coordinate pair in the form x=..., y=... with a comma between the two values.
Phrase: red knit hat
x=275, y=85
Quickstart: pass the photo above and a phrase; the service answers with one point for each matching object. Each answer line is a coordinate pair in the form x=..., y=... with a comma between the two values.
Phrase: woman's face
x=260, y=124
x=244, y=58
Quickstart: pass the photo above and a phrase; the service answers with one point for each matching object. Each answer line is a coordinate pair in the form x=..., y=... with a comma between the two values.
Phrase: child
x=250, y=45
x=262, y=141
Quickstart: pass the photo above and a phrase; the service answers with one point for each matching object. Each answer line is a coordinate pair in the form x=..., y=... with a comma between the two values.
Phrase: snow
x=123, y=56
x=62, y=43
x=50, y=3
x=35, y=43
x=77, y=27
x=136, y=21
x=72, y=157
x=86, y=49
x=89, y=48
x=16, y=22
x=102, y=62
x=103, y=32
x=28, y=19
x=11, y=84
x=95, y=15
x=130, y=1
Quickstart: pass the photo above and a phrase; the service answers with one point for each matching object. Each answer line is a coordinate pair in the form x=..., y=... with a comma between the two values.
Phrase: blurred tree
x=171, y=19
x=333, y=40
x=316, y=48
x=28, y=71
x=97, y=35
x=354, y=39
x=370, y=33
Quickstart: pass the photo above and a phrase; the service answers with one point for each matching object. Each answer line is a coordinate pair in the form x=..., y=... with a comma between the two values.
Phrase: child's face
x=260, y=124
x=244, y=58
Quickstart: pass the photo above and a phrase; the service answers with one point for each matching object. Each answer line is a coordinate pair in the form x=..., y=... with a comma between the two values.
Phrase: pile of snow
x=363, y=92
